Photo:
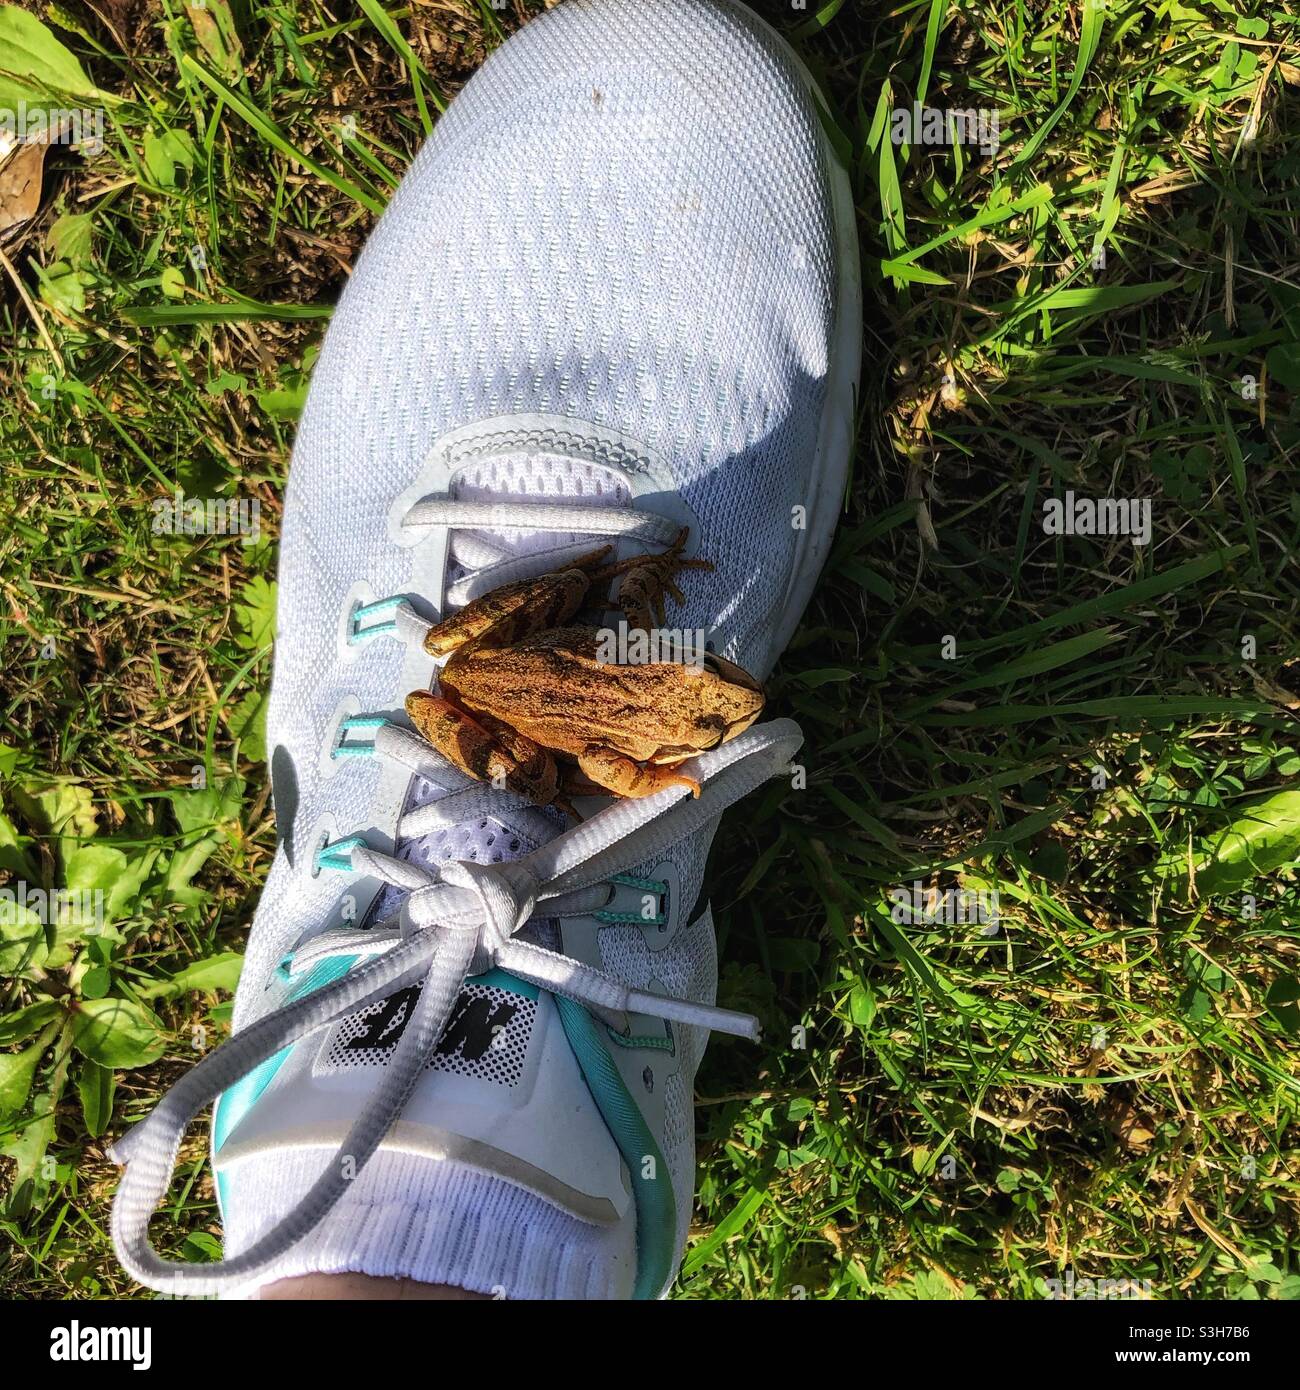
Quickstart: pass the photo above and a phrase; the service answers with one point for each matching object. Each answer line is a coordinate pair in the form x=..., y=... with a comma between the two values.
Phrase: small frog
x=524, y=686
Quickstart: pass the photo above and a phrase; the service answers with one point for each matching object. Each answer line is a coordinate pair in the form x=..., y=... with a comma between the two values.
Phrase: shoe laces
x=457, y=921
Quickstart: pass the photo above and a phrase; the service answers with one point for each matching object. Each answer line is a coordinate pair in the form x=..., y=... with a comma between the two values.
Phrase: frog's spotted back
x=523, y=687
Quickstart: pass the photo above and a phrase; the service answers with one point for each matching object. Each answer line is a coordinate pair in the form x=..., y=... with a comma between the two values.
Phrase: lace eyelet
x=327, y=765
x=335, y=855
x=356, y=748
x=360, y=625
x=359, y=596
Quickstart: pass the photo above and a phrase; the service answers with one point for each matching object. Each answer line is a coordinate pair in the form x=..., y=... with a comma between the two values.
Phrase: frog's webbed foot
x=485, y=748
x=646, y=579
x=518, y=610
x=625, y=776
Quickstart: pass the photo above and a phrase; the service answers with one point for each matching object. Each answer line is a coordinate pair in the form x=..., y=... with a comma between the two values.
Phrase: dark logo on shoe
x=478, y=1023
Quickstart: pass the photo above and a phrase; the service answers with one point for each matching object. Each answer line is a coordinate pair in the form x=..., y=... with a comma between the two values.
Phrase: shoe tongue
x=528, y=476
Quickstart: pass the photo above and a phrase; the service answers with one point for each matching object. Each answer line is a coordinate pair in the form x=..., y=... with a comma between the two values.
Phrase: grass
x=1102, y=734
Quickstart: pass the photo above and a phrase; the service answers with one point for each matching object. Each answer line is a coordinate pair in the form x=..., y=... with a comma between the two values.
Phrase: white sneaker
x=617, y=293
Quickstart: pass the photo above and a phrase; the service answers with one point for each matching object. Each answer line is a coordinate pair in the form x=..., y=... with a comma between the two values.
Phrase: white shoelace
x=458, y=922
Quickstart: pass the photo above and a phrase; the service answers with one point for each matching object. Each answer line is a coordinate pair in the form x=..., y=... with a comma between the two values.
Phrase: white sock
x=407, y=1216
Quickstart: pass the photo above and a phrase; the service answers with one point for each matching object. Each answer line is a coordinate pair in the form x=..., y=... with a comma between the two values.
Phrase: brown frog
x=524, y=687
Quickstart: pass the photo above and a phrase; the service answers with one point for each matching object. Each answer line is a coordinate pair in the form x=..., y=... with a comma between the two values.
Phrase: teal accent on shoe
x=234, y=1104
x=498, y=979
x=656, y=1208
x=647, y=885
x=636, y=919
x=343, y=749
x=337, y=856
x=379, y=628
x=384, y=605
x=662, y=1044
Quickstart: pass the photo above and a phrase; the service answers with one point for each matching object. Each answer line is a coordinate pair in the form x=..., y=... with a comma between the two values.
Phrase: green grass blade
x=276, y=138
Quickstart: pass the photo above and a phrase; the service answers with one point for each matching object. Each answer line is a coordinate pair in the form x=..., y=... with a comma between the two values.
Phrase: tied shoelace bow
x=460, y=922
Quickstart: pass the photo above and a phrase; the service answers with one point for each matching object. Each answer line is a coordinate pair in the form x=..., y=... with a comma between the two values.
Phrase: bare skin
x=526, y=701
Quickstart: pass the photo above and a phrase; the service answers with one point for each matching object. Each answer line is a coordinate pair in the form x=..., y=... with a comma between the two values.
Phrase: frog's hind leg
x=626, y=777
x=646, y=579
x=485, y=748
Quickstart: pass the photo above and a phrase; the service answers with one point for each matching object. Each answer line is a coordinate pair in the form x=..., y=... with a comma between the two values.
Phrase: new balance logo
x=475, y=1026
